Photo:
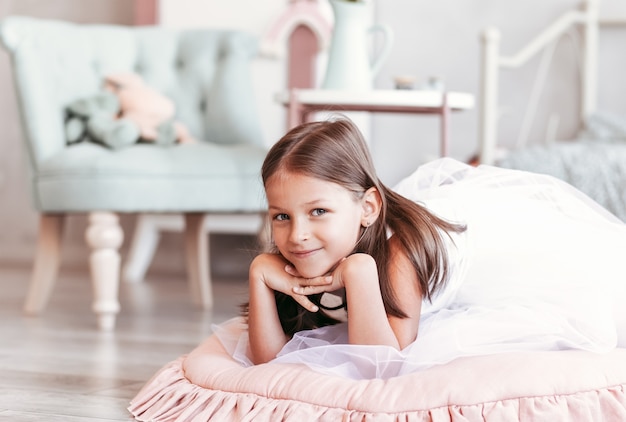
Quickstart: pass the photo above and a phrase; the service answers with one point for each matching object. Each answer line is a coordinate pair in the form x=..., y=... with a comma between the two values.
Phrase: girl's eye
x=318, y=211
x=281, y=217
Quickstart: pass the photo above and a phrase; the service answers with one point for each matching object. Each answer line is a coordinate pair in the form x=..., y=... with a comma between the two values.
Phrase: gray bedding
x=595, y=162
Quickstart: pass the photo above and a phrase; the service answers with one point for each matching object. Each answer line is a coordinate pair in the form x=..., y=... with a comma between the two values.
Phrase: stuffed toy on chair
x=127, y=111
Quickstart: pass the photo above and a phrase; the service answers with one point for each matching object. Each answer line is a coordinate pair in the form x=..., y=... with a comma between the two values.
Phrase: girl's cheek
x=279, y=239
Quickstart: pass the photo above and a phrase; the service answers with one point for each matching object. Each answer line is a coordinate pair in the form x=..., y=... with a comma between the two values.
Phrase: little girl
x=368, y=282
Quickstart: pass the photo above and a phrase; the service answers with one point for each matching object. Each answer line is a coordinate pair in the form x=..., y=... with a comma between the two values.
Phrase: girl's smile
x=315, y=223
x=304, y=254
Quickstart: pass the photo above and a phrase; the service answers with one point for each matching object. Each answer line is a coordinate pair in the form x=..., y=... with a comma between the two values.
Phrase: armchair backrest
x=205, y=72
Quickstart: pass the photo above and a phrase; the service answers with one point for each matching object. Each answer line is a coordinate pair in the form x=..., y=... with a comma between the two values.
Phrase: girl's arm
x=265, y=333
x=266, y=336
x=367, y=319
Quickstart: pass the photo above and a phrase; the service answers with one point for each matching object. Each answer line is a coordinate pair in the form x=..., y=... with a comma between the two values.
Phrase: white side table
x=301, y=102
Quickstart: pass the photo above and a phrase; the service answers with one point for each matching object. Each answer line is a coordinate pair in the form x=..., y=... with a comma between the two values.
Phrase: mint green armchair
x=206, y=74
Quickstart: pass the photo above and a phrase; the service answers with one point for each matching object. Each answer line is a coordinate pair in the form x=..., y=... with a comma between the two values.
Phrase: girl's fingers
x=314, y=281
x=310, y=290
x=317, y=281
x=306, y=303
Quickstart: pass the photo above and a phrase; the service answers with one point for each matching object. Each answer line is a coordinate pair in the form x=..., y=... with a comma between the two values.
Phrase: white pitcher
x=349, y=65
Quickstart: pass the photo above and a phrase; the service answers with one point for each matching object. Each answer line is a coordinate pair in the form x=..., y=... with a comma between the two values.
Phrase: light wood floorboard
x=59, y=367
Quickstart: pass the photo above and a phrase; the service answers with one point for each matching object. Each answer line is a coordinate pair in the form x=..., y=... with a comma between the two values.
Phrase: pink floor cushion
x=208, y=385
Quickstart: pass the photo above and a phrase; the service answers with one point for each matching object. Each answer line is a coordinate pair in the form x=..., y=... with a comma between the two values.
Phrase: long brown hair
x=335, y=151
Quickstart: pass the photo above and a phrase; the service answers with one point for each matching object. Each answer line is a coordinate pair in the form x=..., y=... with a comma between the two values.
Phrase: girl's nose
x=299, y=232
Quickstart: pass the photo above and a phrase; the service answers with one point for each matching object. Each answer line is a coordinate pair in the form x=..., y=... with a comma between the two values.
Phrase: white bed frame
x=587, y=16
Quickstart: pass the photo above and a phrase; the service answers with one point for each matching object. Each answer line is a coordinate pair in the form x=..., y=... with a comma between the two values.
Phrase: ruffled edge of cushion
x=170, y=396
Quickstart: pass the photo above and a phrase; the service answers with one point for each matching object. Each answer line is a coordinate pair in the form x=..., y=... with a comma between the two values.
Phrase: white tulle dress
x=540, y=267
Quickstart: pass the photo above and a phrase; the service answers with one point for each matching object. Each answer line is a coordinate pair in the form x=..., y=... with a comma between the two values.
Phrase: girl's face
x=315, y=223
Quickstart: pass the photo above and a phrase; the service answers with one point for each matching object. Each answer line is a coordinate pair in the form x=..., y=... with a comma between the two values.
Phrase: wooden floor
x=59, y=367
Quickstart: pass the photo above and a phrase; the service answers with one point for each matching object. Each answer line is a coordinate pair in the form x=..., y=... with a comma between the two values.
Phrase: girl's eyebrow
x=315, y=201
x=309, y=203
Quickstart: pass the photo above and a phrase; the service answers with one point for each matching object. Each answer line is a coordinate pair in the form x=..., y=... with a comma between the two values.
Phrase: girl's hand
x=279, y=275
x=347, y=268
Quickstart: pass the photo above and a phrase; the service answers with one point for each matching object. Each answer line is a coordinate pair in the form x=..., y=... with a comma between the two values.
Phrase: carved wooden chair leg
x=104, y=235
x=198, y=260
x=47, y=261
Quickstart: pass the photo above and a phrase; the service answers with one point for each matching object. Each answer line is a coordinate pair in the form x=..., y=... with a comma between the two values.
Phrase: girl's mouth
x=303, y=254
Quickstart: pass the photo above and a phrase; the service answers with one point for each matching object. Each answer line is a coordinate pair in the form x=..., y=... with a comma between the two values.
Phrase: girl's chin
x=310, y=272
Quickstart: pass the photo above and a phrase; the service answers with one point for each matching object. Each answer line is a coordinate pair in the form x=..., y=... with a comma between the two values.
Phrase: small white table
x=301, y=102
